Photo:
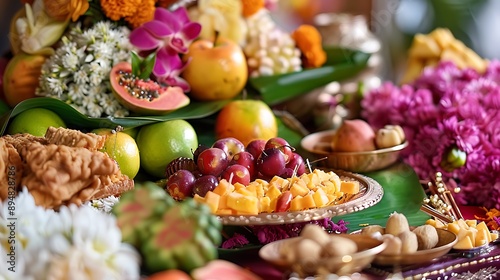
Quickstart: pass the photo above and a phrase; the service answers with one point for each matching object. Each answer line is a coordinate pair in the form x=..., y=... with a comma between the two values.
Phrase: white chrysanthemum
x=86, y=58
x=75, y=242
x=104, y=204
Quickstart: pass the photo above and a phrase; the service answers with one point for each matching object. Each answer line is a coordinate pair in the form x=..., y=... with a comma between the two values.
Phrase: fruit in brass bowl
x=354, y=136
x=215, y=70
x=246, y=120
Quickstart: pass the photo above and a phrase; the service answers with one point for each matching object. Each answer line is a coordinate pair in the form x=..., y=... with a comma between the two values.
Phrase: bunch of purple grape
x=229, y=159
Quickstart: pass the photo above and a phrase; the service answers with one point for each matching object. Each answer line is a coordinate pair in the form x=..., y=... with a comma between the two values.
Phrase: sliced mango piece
x=243, y=203
x=464, y=244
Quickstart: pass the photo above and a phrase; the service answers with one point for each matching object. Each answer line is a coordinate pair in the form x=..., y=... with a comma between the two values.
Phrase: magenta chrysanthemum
x=447, y=110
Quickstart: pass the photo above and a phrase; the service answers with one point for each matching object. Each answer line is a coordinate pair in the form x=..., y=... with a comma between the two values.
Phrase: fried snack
x=75, y=138
x=21, y=140
x=58, y=174
x=11, y=169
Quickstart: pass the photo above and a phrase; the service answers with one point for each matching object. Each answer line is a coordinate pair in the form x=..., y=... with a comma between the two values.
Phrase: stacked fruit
x=234, y=162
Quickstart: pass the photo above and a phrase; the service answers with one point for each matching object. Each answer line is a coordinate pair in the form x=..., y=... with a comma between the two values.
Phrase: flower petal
x=157, y=28
x=191, y=30
x=167, y=18
x=165, y=63
x=181, y=15
x=143, y=40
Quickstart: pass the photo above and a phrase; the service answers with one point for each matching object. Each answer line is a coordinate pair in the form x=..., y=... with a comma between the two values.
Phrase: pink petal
x=143, y=40
x=157, y=28
x=178, y=81
x=181, y=15
x=178, y=44
x=191, y=30
x=167, y=18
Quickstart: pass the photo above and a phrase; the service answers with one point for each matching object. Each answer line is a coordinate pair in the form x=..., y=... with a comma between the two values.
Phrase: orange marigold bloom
x=118, y=9
x=144, y=14
x=66, y=9
x=309, y=41
x=250, y=7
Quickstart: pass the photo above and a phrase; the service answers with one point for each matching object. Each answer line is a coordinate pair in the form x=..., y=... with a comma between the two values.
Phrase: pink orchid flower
x=168, y=34
x=168, y=67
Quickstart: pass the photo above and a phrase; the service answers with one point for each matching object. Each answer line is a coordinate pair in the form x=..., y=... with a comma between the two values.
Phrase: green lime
x=122, y=148
x=162, y=142
x=35, y=121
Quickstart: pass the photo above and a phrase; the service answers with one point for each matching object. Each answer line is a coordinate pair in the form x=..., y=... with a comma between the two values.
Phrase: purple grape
x=212, y=161
x=297, y=160
x=204, y=184
x=271, y=162
x=180, y=184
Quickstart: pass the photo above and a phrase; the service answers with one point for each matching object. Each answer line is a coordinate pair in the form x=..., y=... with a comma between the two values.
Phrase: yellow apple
x=215, y=71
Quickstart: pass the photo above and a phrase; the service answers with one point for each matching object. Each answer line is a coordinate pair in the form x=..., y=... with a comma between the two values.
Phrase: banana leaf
x=341, y=64
x=402, y=193
x=75, y=119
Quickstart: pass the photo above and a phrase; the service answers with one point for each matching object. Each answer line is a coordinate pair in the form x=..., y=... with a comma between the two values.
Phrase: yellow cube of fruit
x=273, y=192
x=320, y=198
x=225, y=211
x=470, y=232
x=223, y=202
x=308, y=201
x=244, y=191
x=264, y=204
x=329, y=187
x=482, y=237
x=256, y=188
x=212, y=200
x=453, y=227
x=471, y=223
x=464, y=244
x=350, y=187
x=296, y=203
x=494, y=236
x=279, y=182
x=223, y=188
x=243, y=203
x=297, y=189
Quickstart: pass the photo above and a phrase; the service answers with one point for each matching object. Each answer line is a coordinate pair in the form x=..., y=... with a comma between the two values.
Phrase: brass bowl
x=368, y=248
x=319, y=146
x=447, y=240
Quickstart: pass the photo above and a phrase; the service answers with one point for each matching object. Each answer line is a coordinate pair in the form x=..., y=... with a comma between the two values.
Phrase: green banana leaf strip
x=402, y=193
x=75, y=119
x=279, y=88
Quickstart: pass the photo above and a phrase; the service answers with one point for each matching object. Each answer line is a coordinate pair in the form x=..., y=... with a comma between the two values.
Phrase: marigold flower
x=308, y=40
x=66, y=9
x=144, y=14
x=250, y=7
x=118, y=9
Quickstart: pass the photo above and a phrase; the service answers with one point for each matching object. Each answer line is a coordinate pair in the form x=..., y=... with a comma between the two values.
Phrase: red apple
x=216, y=71
x=230, y=145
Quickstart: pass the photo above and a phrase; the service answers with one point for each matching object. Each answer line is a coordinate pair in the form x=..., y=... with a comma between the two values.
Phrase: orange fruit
x=246, y=120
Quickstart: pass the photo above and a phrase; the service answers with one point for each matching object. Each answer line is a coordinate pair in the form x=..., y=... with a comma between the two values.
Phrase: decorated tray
x=370, y=193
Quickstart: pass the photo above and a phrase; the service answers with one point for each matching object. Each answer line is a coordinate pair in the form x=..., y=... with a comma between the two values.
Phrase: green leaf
x=341, y=64
x=147, y=66
x=75, y=119
x=402, y=193
x=136, y=64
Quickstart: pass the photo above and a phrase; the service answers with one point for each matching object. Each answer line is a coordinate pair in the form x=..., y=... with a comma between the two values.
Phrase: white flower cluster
x=72, y=243
x=78, y=72
x=269, y=49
